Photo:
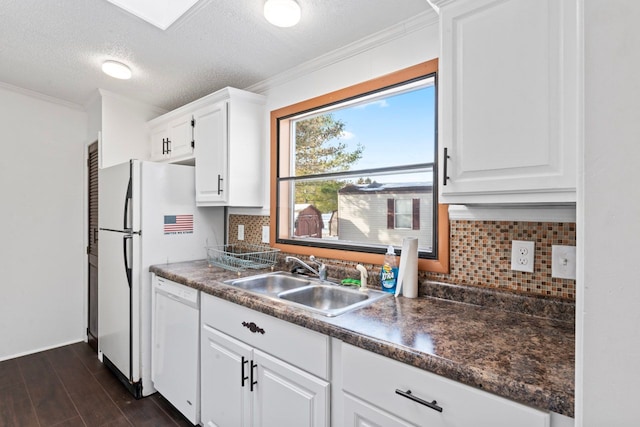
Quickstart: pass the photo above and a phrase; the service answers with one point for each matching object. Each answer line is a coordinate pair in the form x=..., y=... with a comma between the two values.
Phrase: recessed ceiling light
x=282, y=13
x=116, y=69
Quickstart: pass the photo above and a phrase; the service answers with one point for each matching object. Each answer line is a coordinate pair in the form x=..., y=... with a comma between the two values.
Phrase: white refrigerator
x=147, y=216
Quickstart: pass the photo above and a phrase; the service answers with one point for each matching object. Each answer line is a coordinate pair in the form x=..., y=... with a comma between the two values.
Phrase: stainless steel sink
x=331, y=300
x=312, y=294
x=272, y=283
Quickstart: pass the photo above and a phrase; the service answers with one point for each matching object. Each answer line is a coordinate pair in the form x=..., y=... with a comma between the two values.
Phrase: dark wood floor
x=69, y=387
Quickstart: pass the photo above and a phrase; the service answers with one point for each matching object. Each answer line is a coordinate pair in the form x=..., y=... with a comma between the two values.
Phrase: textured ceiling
x=56, y=47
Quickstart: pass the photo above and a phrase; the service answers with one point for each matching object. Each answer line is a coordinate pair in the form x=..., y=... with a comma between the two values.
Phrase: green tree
x=319, y=150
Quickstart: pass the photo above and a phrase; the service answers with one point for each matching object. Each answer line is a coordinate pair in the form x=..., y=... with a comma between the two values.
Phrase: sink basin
x=271, y=283
x=308, y=293
x=330, y=300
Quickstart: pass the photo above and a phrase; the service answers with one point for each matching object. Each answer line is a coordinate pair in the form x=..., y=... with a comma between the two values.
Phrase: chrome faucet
x=321, y=272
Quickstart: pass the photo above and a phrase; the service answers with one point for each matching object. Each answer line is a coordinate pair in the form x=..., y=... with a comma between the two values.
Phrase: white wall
x=608, y=304
x=124, y=129
x=380, y=54
x=42, y=257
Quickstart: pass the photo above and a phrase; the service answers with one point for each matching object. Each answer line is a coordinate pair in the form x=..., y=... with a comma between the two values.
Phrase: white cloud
x=347, y=135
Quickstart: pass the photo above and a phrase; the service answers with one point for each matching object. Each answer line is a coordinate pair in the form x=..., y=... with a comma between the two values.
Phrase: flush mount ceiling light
x=116, y=69
x=282, y=13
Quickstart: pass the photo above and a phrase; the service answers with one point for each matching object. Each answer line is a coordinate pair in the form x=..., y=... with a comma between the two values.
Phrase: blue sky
x=397, y=130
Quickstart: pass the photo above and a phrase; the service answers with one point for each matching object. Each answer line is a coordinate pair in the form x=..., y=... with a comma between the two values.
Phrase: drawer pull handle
x=433, y=405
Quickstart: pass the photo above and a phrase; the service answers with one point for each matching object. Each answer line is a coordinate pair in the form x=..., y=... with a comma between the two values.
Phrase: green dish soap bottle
x=389, y=272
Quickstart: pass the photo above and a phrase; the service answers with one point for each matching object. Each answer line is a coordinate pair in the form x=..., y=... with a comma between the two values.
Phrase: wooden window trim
x=439, y=265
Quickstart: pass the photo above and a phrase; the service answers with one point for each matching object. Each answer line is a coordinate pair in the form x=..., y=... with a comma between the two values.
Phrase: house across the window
x=382, y=213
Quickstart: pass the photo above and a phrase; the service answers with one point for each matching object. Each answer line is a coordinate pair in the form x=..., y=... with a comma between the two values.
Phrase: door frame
x=89, y=147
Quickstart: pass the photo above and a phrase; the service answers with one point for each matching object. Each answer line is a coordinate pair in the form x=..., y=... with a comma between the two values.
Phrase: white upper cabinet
x=211, y=185
x=508, y=101
x=229, y=150
x=181, y=136
x=172, y=140
x=223, y=135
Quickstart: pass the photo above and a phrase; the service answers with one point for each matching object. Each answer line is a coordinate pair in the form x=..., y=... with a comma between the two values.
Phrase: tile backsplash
x=480, y=254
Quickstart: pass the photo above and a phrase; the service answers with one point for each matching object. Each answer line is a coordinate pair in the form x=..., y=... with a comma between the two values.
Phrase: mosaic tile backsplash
x=480, y=254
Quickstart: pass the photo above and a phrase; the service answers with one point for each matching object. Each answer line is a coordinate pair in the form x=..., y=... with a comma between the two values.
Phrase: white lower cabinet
x=225, y=391
x=373, y=388
x=242, y=385
x=287, y=396
x=257, y=370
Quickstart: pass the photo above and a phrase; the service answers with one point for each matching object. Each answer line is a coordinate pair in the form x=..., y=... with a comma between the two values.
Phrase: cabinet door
x=358, y=413
x=508, y=94
x=211, y=155
x=286, y=396
x=181, y=135
x=158, y=145
x=225, y=392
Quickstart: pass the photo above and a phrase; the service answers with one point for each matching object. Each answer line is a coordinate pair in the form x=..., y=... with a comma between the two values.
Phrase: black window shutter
x=416, y=214
x=391, y=208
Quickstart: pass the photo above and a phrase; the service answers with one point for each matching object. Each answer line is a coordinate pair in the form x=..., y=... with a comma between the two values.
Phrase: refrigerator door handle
x=127, y=267
x=127, y=203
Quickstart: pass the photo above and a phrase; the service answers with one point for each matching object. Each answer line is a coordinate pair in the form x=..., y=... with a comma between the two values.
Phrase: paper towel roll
x=410, y=274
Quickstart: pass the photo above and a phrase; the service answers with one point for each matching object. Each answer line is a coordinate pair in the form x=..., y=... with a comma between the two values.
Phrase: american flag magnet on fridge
x=178, y=224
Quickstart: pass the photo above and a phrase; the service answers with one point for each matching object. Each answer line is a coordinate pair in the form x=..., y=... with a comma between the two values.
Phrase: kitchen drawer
x=306, y=349
x=375, y=379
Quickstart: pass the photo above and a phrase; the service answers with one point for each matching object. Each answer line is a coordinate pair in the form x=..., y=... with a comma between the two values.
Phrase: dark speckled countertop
x=522, y=357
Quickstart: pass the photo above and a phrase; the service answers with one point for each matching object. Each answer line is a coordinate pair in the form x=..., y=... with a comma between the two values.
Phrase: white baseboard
x=38, y=350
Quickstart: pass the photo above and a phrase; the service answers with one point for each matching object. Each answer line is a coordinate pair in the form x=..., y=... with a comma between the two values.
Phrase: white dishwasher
x=175, y=369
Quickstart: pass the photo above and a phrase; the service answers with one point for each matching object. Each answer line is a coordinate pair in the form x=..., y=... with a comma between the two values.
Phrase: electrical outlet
x=563, y=262
x=522, y=255
x=265, y=234
x=240, y=232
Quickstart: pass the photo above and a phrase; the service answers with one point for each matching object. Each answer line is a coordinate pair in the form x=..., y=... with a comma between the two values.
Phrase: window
x=355, y=170
x=403, y=214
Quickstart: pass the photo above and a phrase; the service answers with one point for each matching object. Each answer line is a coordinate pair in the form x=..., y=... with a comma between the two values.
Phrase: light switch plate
x=240, y=232
x=265, y=234
x=563, y=262
x=522, y=255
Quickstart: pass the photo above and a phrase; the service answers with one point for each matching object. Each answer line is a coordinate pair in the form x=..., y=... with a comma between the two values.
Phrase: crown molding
x=41, y=96
x=437, y=4
x=418, y=22
x=525, y=213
